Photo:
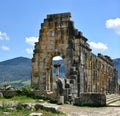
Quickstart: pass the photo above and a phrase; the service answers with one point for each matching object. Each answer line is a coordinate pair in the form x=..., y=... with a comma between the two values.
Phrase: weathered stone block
x=60, y=100
x=9, y=93
x=38, y=106
x=91, y=99
x=47, y=107
x=1, y=94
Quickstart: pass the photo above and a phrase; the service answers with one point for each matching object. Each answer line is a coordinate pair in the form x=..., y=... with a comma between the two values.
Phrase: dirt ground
x=112, y=110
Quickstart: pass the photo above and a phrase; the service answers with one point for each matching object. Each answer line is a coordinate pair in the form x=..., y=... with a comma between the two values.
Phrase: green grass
x=17, y=84
x=23, y=112
x=26, y=113
x=18, y=98
x=23, y=99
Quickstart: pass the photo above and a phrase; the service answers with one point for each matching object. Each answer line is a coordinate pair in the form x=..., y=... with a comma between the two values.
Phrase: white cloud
x=114, y=24
x=29, y=50
x=5, y=48
x=98, y=46
x=31, y=40
x=3, y=36
x=57, y=58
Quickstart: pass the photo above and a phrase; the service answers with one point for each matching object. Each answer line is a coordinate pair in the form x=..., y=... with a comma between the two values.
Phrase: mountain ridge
x=16, y=69
x=14, y=61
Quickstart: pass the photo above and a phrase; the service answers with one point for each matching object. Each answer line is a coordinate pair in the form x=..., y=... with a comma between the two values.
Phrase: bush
x=25, y=91
x=4, y=107
x=19, y=107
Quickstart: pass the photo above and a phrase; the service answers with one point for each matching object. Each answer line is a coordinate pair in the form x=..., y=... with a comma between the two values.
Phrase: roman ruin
x=85, y=71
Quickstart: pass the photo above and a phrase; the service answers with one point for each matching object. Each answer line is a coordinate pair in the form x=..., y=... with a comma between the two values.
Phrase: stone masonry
x=85, y=72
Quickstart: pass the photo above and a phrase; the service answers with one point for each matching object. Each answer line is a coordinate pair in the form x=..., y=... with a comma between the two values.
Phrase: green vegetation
x=20, y=111
x=24, y=96
x=17, y=84
x=21, y=99
x=25, y=112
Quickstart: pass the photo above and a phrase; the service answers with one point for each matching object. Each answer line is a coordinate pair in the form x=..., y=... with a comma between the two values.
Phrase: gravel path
x=112, y=110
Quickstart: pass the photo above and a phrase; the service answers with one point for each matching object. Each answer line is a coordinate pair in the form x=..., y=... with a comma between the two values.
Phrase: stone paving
x=111, y=110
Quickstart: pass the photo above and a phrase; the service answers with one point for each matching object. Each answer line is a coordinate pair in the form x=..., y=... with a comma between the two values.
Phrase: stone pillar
x=51, y=80
x=81, y=79
x=60, y=97
x=48, y=88
x=57, y=70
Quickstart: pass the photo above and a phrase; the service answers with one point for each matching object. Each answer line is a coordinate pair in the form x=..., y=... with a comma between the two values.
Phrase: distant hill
x=117, y=65
x=17, y=70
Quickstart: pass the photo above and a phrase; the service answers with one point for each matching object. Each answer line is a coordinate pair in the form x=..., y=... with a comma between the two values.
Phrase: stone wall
x=8, y=93
x=52, y=96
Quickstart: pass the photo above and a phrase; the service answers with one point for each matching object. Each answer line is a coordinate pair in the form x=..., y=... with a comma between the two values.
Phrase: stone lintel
x=67, y=14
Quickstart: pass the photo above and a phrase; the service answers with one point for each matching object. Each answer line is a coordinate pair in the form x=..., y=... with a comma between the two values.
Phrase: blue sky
x=20, y=20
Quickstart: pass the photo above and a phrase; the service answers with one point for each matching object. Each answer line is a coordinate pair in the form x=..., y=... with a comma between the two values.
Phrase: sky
x=20, y=20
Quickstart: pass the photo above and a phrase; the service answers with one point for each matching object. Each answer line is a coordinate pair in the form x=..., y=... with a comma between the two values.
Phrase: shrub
x=26, y=91
x=4, y=107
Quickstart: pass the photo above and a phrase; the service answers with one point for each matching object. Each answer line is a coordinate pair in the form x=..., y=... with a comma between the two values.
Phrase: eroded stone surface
x=91, y=99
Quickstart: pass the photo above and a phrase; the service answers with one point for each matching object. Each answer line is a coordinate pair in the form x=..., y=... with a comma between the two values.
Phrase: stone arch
x=49, y=75
x=55, y=39
x=49, y=61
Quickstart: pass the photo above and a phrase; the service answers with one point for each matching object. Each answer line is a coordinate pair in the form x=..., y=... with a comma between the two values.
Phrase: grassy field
x=17, y=84
x=26, y=113
x=23, y=112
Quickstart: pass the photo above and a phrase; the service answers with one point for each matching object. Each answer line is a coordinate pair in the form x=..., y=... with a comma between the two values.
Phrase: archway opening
x=58, y=70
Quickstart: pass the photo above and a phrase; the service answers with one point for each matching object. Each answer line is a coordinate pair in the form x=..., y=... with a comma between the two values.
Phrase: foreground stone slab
x=47, y=107
x=91, y=99
x=36, y=114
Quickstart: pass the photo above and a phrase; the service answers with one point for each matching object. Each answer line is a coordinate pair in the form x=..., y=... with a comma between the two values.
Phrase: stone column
x=48, y=79
x=82, y=79
x=60, y=97
x=57, y=70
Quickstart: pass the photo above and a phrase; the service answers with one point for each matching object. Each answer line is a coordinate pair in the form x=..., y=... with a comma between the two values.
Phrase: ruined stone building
x=85, y=72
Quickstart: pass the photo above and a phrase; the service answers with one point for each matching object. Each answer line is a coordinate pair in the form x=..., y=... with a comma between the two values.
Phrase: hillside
x=17, y=70
x=117, y=65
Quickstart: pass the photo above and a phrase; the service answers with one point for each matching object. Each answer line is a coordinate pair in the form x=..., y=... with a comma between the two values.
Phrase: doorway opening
x=58, y=70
